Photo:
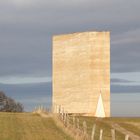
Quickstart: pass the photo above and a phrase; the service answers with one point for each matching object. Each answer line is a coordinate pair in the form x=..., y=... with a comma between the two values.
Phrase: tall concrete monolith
x=81, y=73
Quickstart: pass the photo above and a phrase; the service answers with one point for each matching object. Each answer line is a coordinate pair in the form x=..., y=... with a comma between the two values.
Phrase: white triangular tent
x=100, y=108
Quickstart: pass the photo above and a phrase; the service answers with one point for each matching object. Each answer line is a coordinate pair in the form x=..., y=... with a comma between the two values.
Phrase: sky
x=26, y=30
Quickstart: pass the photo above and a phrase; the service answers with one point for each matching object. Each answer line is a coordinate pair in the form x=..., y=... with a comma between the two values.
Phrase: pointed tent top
x=100, y=107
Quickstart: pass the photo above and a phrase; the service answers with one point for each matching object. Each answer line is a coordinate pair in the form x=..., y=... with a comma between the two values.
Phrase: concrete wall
x=81, y=72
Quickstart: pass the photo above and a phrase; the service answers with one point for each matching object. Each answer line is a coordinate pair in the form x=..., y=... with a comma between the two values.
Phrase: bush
x=8, y=104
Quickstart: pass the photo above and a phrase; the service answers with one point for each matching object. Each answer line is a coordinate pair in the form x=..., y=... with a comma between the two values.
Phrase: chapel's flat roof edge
x=72, y=33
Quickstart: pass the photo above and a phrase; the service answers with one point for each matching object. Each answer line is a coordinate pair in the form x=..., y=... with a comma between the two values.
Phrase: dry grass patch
x=130, y=124
x=100, y=124
x=26, y=126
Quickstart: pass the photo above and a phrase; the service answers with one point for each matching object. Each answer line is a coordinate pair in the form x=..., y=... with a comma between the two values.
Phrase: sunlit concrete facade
x=81, y=73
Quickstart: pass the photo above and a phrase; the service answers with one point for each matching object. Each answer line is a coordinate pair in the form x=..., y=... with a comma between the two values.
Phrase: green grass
x=131, y=124
x=26, y=126
x=100, y=124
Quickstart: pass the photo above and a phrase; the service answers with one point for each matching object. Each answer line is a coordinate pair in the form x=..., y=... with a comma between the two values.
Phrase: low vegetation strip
x=130, y=124
x=122, y=127
x=26, y=126
x=100, y=124
x=125, y=131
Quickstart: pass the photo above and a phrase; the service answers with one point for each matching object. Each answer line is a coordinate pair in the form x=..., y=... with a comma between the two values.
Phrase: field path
x=125, y=132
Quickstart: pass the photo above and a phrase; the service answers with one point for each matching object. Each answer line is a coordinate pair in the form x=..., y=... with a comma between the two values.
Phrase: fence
x=72, y=125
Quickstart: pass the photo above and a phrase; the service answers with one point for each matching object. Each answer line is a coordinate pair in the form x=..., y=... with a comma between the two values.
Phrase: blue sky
x=26, y=30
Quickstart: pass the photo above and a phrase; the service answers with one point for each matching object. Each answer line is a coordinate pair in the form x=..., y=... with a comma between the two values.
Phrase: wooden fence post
x=85, y=126
x=85, y=130
x=113, y=134
x=101, y=134
x=56, y=109
x=126, y=137
x=73, y=121
x=59, y=114
x=65, y=119
x=93, y=132
x=78, y=123
x=68, y=121
x=62, y=114
x=59, y=109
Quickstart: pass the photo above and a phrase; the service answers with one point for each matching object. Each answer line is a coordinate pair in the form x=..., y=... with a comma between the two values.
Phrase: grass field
x=100, y=124
x=25, y=126
x=130, y=124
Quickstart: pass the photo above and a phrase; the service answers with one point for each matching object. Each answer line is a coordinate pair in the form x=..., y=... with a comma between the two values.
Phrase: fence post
x=85, y=130
x=101, y=134
x=59, y=112
x=63, y=115
x=65, y=119
x=93, y=132
x=113, y=134
x=68, y=121
x=78, y=123
x=85, y=126
x=126, y=137
x=59, y=109
x=73, y=121
x=55, y=108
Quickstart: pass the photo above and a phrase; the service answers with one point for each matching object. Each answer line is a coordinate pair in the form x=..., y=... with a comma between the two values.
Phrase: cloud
x=125, y=88
x=28, y=25
x=24, y=80
x=21, y=2
x=26, y=89
x=117, y=80
x=125, y=104
x=26, y=30
x=125, y=58
x=30, y=95
x=127, y=38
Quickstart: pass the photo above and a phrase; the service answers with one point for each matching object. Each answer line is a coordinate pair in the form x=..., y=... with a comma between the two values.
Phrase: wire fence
x=79, y=130
x=76, y=128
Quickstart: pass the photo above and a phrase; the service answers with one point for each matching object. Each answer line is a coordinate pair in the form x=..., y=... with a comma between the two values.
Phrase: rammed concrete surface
x=81, y=71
